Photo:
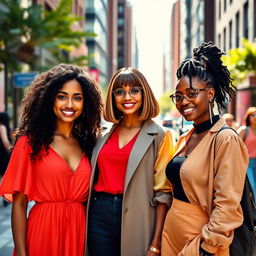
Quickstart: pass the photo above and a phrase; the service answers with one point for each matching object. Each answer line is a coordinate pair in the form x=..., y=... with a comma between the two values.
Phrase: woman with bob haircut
x=129, y=193
x=50, y=163
x=248, y=133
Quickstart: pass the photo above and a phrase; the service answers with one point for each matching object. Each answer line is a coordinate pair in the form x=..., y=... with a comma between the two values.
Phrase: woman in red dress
x=50, y=163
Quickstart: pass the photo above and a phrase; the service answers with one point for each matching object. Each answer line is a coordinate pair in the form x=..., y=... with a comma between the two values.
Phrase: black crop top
x=173, y=174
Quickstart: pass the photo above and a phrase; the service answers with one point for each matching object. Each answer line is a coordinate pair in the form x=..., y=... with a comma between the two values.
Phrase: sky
x=152, y=21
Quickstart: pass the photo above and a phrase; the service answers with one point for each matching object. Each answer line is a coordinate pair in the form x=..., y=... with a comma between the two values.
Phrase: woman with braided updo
x=208, y=169
x=50, y=163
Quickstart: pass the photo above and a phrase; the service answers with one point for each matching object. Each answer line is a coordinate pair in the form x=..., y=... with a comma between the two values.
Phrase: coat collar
x=185, y=137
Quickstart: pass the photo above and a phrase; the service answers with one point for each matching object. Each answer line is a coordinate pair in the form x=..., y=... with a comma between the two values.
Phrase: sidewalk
x=6, y=243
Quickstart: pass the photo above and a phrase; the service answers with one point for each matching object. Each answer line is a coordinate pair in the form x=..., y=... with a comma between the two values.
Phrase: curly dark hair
x=38, y=120
x=206, y=65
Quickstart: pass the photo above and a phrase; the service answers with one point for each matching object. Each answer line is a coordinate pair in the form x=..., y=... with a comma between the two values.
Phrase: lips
x=188, y=111
x=128, y=105
x=68, y=113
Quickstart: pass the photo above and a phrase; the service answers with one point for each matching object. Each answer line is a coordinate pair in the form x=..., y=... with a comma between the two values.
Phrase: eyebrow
x=77, y=93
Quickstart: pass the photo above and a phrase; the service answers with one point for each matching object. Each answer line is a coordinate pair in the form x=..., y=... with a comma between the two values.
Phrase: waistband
x=106, y=195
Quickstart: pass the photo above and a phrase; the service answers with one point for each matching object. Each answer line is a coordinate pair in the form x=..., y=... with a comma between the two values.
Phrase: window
x=219, y=39
x=254, y=15
x=246, y=22
x=237, y=29
x=225, y=5
x=224, y=40
x=219, y=9
x=230, y=35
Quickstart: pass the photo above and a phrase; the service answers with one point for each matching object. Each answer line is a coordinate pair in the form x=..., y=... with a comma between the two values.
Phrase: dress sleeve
x=18, y=175
x=161, y=184
x=230, y=164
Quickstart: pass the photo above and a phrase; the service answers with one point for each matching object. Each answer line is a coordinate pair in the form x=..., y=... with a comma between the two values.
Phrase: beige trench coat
x=213, y=177
x=138, y=212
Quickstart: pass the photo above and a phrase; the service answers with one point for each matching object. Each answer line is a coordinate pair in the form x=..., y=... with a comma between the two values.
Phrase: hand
x=151, y=253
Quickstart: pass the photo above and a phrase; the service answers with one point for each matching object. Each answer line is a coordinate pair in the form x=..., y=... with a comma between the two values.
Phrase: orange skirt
x=183, y=223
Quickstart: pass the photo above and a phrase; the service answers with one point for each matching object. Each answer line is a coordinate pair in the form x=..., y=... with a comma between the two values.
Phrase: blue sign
x=21, y=80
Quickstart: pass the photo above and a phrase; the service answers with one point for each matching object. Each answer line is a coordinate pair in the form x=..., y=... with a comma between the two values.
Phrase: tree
x=165, y=103
x=241, y=61
x=24, y=29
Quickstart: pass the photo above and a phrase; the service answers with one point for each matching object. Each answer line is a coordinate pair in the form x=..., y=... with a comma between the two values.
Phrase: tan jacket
x=145, y=184
x=213, y=177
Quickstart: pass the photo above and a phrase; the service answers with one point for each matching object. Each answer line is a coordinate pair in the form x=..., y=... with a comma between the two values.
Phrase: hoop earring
x=210, y=111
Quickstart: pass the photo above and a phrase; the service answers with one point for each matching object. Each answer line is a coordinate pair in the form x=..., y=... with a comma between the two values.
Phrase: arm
x=161, y=210
x=230, y=166
x=241, y=131
x=162, y=189
x=4, y=137
x=19, y=223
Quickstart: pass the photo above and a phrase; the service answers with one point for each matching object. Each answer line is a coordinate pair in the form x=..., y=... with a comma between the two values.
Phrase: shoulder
x=241, y=130
x=23, y=141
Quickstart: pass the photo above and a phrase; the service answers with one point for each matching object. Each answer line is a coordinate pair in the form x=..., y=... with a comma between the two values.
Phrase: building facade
x=235, y=20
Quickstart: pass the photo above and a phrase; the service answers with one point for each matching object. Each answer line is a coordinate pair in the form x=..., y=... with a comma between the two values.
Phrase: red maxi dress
x=57, y=222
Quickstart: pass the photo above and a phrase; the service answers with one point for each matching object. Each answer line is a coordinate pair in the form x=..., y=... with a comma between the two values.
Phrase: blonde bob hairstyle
x=132, y=77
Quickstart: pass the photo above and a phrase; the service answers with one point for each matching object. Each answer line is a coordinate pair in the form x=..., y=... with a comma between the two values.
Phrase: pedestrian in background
x=5, y=144
x=248, y=133
x=50, y=163
x=230, y=121
x=129, y=193
x=209, y=166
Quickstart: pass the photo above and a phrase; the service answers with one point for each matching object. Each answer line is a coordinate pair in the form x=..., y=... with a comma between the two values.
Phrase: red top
x=112, y=164
x=57, y=222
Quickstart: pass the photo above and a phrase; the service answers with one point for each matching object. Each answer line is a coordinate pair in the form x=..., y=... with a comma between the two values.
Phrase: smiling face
x=68, y=104
x=195, y=104
x=130, y=103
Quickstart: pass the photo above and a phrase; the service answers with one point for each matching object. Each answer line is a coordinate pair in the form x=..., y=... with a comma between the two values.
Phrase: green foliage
x=165, y=103
x=24, y=29
x=241, y=61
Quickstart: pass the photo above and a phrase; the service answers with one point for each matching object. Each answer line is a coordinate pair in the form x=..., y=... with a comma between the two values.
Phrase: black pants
x=104, y=224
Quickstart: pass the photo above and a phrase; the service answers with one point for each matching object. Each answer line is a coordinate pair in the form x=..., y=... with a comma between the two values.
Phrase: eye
x=61, y=97
x=178, y=97
x=192, y=94
x=119, y=92
x=135, y=90
x=77, y=98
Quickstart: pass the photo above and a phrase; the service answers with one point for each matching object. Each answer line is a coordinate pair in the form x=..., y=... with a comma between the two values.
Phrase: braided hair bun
x=206, y=65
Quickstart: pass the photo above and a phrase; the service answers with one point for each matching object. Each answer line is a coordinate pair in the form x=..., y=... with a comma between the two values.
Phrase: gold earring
x=210, y=111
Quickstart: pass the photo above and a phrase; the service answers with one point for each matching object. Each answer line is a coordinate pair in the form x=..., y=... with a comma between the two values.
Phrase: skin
x=128, y=127
x=67, y=107
x=4, y=137
x=196, y=110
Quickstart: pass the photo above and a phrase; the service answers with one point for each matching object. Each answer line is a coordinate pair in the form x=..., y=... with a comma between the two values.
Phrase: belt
x=106, y=195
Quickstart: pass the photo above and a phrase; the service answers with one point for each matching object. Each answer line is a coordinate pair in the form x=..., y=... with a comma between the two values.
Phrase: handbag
x=244, y=241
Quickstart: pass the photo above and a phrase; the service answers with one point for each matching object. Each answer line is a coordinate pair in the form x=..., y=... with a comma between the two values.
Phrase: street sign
x=21, y=80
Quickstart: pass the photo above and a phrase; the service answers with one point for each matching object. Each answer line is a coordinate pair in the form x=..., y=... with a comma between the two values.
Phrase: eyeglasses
x=120, y=93
x=190, y=95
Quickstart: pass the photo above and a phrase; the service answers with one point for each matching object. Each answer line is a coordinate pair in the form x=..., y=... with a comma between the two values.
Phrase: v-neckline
x=73, y=171
x=117, y=136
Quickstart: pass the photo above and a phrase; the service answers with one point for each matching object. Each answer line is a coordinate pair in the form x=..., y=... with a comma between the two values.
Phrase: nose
x=185, y=100
x=127, y=95
x=69, y=103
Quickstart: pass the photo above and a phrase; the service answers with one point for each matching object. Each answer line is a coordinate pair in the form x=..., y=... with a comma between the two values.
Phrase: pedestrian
x=129, y=193
x=50, y=163
x=208, y=169
x=230, y=121
x=5, y=144
x=248, y=134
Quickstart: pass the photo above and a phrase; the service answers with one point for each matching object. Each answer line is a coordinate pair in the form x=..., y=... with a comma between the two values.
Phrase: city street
x=6, y=244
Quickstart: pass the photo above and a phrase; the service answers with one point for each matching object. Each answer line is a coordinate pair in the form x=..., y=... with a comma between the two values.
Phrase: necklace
x=206, y=125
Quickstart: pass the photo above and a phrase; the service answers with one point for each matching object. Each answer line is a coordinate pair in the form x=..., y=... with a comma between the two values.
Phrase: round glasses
x=190, y=95
x=120, y=93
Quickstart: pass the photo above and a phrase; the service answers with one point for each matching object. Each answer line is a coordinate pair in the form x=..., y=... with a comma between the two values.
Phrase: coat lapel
x=142, y=143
